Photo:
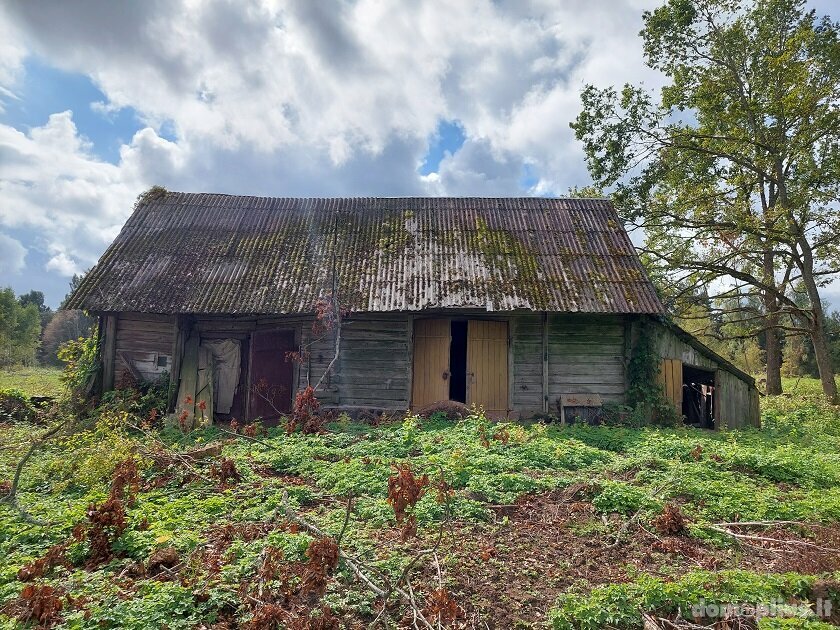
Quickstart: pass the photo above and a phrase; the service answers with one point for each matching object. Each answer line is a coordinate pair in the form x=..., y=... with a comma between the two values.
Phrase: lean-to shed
x=521, y=305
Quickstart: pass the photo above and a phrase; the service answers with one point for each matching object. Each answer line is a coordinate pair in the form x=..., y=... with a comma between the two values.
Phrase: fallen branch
x=10, y=498
x=661, y=623
x=312, y=529
x=183, y=459
x=767, y=539
x=626, y=526
x=248, y=437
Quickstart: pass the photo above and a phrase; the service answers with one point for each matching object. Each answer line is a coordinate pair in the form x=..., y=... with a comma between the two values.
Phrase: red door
x=271, y=374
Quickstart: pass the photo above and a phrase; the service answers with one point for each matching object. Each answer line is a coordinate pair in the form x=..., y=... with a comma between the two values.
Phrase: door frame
x=295, y=374
x=511, y=323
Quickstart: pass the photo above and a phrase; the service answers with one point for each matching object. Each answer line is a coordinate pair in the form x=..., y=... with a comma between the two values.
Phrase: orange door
x=487, y=366
x=671, y=379
x=431, y=362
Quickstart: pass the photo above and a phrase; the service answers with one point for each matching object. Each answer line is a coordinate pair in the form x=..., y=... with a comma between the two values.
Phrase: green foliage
x=621, y=497
x=785, y=472
x=15, y=406
x=622, y=605
x=155, y=605
x=96, y=452
x=148, y=398
x=732, y=168
x=644, y=392
x=20, y=328
x=81, y=359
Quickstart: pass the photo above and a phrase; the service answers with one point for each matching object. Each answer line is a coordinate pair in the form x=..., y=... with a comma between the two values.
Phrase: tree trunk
x=773, y=350
x=772, y=344
x=817, y=326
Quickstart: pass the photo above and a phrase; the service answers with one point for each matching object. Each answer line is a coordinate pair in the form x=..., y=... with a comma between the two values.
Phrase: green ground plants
x=620, y=478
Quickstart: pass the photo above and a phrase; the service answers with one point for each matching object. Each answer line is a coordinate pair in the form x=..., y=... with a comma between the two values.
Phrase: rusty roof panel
x=207, y=253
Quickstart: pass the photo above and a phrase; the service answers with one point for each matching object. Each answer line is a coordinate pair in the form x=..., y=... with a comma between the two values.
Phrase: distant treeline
x=31, y=332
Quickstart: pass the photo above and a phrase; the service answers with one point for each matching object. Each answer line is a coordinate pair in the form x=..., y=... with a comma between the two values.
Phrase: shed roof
x=211, y=253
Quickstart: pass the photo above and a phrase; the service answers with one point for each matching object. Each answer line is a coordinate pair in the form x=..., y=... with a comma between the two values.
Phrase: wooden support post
x=511, y=331
x=545, y=363
x=628, y=352
x=108, y=351
x=182, y=329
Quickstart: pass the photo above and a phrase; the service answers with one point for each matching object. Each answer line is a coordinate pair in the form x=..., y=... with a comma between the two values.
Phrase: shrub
x=145, y=400
x=15, y=406
x=81, y=362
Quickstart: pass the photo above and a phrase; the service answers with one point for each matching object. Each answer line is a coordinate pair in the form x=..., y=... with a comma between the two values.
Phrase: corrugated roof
x=209, y=253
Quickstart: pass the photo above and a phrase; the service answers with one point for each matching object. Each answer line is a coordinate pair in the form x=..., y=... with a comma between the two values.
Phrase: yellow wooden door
x=487, y=366
x=431, y=362
x=671, y=379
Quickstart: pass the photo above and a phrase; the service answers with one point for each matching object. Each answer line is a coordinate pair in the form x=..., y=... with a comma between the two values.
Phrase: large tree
x=732, y=170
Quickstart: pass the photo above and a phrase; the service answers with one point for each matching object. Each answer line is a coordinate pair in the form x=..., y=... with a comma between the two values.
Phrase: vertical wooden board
x=545, y=365
x=661, y=376
x=181, y=326
x=432, y=339
x=678, y=381
x=204, y=387
x=189, y=378
x=487, y=366
x=674, y=383
x=670, y=378
x=109, y=340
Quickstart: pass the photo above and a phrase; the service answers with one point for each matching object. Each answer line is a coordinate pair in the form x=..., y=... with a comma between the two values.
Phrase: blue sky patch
x=447, y=139
x=529, y=177
x=45, y=90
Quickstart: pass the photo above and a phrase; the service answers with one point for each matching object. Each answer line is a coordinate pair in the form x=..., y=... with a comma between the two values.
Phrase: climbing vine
x=644, y=391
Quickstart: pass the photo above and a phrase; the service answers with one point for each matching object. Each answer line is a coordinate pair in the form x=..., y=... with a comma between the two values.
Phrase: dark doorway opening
x=699, y=403
x=271, y=374
x=458, y=362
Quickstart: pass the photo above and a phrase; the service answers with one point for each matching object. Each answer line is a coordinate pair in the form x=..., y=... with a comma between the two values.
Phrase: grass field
x=514, y=526
x=35, y=381
x=804, y=386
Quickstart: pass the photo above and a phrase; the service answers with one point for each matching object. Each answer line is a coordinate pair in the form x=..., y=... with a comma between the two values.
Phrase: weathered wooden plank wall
x=143, y=339
x=737, y=402
x=569, y=354
x=373, y=369
x=527, y=367
x=736, y=399
x=672, y=347
x=585, y=356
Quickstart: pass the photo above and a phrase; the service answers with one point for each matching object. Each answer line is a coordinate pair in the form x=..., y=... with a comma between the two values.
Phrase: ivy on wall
x=644, y=393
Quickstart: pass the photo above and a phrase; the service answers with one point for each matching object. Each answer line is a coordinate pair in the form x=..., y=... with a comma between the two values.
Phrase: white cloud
x=51, y=185
x=63, y=264
x=12, y=255
x=343, y=78
x=12, y=53
x=301, y=98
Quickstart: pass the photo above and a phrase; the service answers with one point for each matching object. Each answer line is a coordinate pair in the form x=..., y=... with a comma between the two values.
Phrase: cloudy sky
x=99, y=100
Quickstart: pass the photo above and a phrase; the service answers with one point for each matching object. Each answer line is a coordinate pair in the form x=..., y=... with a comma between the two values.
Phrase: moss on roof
x=202, y=253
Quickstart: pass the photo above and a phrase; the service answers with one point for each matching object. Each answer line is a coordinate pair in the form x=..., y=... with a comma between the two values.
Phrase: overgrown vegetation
x=460, y=522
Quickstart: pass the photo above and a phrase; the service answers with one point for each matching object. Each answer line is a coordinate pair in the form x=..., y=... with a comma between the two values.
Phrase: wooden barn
x=524, y=306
